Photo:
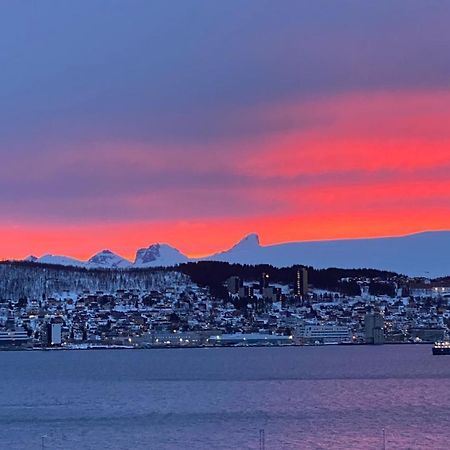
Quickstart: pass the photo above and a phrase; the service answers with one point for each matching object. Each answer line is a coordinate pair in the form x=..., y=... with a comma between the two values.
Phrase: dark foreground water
x=304, y=398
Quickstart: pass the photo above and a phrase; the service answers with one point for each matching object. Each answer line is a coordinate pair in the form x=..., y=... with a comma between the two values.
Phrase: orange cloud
x=402, y=131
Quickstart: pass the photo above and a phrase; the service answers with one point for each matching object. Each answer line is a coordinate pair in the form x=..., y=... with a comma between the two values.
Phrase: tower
x=301, y=282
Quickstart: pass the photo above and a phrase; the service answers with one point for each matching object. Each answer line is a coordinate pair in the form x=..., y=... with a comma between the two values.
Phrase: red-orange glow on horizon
x=364, y=166
x=201, y=239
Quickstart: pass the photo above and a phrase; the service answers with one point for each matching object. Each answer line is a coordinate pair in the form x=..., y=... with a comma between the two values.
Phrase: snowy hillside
x=19, y=280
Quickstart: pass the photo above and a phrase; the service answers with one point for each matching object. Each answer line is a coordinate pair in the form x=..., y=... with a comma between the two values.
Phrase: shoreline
x=172, y=347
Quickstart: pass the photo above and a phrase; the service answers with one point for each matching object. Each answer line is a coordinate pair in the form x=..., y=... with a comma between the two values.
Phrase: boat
x=441, y=348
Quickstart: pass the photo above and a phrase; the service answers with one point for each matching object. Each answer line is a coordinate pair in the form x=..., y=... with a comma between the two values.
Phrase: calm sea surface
x=304, y=398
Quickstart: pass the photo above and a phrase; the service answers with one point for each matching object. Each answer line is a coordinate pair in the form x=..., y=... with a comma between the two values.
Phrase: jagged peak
x=106, y=251
x=107, y=258
x=156, y=246
x=159, y=252
x=249, y=241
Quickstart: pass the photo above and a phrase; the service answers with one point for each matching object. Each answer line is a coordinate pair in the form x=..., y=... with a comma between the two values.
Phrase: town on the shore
x=173, y=310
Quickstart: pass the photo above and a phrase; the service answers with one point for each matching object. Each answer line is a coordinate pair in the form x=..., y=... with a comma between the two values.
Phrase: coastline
x=172, y=347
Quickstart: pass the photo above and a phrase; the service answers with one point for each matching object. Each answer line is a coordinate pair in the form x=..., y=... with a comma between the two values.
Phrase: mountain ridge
x=425, y=254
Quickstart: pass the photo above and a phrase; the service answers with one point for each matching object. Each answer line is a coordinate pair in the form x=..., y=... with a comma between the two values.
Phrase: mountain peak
x=106, y=258
x=246, y=249
x=249, y=241
x=105, y=252
x=159, y=255
x=60, y=260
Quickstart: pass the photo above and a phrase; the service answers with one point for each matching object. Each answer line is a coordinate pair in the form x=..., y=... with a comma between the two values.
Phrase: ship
x=441, y=348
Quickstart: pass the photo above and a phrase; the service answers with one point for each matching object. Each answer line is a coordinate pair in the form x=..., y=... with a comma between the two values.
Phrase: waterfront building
x=427, y=334
x=54, y=333
x=374, y=328
x=190, y=338
x=325, y=334
x=14, y=337
x=250, y=339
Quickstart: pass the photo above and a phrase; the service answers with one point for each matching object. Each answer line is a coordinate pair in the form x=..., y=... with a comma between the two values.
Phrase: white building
x=325, y=334
x=55, y=337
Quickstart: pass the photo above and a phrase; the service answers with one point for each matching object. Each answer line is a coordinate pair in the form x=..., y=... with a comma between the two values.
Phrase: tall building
x=264, y=283
x=233, y=285
x=374, y=328
x=301, y=282
x=246, y=292
x=54, y=332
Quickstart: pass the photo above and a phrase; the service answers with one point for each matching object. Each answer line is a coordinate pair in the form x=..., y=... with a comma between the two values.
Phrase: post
x=262, y=440
x=384, y=439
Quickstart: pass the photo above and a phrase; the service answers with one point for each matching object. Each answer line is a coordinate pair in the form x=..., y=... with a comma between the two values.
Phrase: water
x=304, y=398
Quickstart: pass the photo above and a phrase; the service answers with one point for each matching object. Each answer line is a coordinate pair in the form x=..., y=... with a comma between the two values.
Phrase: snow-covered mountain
x=31, y=258
x=159, y=255
x=58, y=260
x=108, y=259
x=246, y=250
x=156, y=255
x=423, y=254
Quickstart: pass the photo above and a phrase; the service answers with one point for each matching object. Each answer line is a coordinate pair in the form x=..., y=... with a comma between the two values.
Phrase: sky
x=124, y=123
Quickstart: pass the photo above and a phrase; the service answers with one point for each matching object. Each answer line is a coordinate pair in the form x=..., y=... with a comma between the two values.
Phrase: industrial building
x=374, y=328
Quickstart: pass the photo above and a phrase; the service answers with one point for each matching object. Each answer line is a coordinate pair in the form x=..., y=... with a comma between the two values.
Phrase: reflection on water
x=304, y=398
